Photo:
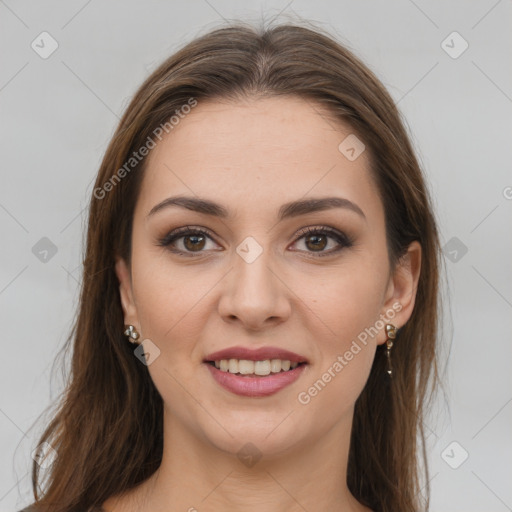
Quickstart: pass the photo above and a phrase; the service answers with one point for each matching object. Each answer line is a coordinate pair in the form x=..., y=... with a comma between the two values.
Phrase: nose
x=254, y=294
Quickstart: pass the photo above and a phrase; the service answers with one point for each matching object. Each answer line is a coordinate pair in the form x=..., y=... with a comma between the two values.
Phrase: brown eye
x=187, y=241
x=316, y=242
x=194, y=242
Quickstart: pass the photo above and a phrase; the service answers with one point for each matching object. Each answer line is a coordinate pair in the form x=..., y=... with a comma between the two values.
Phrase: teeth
x=233, y=366
x=275, y=365
x=246, y=367
x=262, y=367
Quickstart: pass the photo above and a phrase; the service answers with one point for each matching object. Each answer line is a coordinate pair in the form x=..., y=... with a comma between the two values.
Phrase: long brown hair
x=107, y=430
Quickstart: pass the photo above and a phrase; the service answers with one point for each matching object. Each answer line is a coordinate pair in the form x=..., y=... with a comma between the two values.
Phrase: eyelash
x=341, y=238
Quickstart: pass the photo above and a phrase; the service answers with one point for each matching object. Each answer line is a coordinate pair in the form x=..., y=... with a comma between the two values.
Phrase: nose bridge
x=255, y=293
x=252, y=269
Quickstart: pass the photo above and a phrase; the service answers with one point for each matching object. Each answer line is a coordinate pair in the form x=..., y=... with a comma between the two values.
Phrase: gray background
x=58, y=113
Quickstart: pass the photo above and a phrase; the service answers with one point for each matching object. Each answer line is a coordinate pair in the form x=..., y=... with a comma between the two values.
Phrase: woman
x=259, y=308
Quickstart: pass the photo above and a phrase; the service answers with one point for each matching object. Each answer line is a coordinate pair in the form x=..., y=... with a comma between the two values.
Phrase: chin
x=257, y=434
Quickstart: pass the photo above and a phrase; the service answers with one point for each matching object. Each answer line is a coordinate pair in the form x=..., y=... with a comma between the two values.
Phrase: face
x=264, y=275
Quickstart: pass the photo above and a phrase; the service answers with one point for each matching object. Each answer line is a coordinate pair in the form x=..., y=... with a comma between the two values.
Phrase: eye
x=316, y=240
x=192, y=240
x=187, y=240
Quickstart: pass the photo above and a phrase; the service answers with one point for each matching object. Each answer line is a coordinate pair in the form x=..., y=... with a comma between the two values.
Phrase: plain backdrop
x=446, y=65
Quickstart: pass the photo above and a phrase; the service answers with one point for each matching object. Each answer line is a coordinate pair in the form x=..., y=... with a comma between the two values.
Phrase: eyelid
x=322, y=229
x=181, y=232
x=343, y=240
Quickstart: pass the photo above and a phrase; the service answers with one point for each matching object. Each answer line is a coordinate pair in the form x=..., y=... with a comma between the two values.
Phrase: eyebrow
x=287, y=210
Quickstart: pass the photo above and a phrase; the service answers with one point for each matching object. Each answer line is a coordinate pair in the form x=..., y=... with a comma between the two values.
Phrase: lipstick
x=247, y=383
x=258, y=354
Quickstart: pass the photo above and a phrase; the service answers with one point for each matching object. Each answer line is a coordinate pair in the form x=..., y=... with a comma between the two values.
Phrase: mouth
x=248, y=368
x=255, y=372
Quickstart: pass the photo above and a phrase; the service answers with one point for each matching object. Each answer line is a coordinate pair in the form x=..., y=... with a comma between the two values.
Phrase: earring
x=132, y=334
x=391, y=333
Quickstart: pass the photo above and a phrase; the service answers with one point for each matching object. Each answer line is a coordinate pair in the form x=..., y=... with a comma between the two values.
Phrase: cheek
x=346, y=303
x=171, y=306
x=345, y=308
x=170, y=301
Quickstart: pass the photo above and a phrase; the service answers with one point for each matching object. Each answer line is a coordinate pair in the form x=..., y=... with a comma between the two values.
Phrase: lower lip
x=255, y=386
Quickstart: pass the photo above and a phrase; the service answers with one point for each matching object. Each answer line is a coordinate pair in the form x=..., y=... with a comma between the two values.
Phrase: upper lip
x=258, y=354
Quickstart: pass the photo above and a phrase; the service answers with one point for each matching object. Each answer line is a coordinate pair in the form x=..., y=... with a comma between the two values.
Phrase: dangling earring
x=391, y=333
x=132, y=334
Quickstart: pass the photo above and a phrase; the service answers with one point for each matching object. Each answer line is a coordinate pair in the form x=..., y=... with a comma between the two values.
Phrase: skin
x=252, y=156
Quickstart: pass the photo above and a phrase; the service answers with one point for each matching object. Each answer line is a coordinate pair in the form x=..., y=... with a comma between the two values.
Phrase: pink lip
x=255, y=386
x=260, y=354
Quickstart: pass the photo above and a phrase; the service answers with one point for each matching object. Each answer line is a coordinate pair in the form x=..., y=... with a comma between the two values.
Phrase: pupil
x=194, y=243
x=316, y=238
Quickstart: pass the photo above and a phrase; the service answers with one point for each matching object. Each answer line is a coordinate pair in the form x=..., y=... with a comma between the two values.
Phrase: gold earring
x=391, y=333
x=132, y=334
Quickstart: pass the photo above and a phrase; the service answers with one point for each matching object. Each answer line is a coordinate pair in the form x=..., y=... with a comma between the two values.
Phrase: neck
x=197, y=476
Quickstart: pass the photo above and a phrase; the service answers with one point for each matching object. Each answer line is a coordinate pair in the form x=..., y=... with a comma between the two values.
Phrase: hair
x=108, y=427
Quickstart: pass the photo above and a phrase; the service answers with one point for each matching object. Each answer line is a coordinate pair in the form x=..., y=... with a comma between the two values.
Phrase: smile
x=246, y=382
x=247, y=367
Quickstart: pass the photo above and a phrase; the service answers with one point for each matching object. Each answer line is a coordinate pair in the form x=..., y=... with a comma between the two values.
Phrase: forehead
x=266, y=151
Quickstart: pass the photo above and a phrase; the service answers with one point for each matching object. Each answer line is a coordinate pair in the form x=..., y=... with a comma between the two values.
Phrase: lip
x=259, y=354
x=255, y=386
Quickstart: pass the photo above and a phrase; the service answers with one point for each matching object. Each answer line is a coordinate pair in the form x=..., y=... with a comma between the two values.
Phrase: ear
x=126, y=293
x=401, y=291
